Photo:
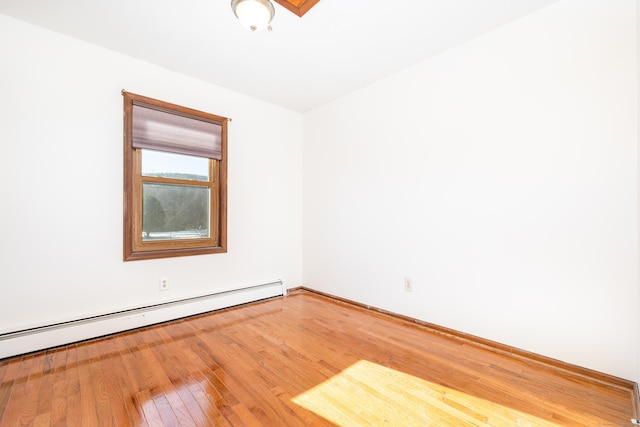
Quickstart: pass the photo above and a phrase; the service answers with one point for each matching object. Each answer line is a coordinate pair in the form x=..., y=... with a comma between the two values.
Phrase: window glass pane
x=171, y=165
x=174, y=212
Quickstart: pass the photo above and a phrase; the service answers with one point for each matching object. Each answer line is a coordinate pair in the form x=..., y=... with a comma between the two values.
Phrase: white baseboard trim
x=43, y=337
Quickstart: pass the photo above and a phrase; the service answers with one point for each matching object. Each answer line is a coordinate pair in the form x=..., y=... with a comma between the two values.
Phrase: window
x=175, y=180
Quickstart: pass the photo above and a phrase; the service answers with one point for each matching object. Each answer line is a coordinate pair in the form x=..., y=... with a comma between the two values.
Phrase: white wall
x=638, y=129
x=61, y=186
x=501, y=177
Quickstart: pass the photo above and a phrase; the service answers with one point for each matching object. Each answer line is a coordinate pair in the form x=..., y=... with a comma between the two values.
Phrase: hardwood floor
x=301, y=360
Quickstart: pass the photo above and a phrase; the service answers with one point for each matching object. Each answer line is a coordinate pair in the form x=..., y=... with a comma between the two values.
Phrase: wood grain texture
x=491, y=345
x=299, y=360
x=299, y=7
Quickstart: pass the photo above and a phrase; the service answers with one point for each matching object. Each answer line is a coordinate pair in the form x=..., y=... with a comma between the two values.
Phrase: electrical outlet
x=164, y=283
x=408, y=286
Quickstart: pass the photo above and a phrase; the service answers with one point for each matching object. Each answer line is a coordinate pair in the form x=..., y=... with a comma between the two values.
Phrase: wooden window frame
x=134, y=247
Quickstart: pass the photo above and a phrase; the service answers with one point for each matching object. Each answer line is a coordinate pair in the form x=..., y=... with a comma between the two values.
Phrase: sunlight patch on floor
x=368, y=394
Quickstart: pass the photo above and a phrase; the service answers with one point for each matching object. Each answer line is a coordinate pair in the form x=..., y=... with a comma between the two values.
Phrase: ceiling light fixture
x=254, y=14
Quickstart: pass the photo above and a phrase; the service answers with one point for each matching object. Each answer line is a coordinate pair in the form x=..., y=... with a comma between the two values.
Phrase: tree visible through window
x=174, y=180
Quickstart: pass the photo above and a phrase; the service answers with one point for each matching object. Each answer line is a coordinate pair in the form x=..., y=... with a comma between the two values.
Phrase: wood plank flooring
x=300, y=360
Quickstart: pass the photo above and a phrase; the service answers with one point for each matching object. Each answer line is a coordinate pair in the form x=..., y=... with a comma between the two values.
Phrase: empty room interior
x=417, y=212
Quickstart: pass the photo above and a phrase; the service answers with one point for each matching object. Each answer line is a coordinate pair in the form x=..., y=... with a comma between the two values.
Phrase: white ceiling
x=337, y=47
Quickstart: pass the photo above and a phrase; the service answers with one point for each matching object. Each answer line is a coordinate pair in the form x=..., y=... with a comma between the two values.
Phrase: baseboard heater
x=37, y=338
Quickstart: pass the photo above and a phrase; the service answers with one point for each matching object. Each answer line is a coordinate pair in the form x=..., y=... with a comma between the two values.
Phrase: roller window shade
x=162, y=131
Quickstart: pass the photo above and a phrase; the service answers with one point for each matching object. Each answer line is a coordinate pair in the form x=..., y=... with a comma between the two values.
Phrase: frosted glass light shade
x=253, y=14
